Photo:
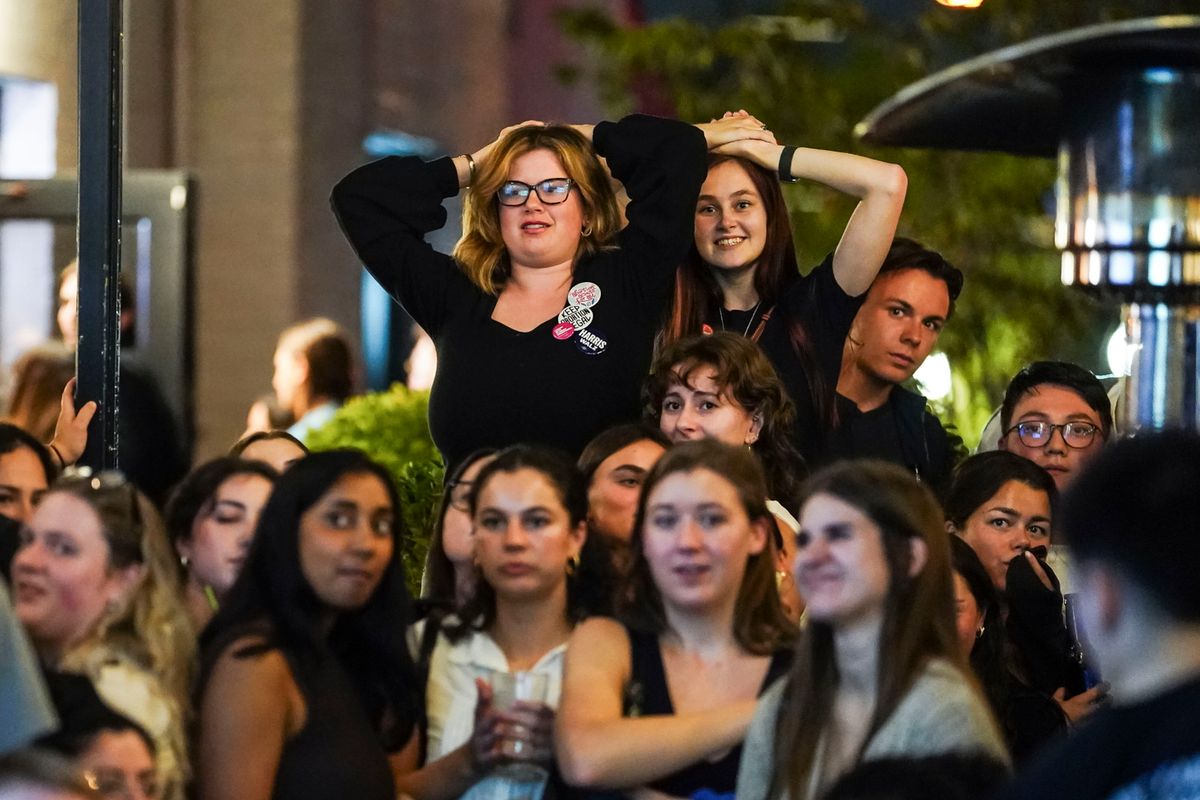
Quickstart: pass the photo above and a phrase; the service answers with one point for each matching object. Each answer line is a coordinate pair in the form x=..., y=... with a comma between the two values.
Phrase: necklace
x=753, y=314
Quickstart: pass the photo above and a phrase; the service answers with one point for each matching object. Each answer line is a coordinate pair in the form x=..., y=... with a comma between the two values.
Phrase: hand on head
x=735, y=126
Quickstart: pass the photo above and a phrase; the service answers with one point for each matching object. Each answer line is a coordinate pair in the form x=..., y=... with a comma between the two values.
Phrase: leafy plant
x=392, y=428
x=819, y=67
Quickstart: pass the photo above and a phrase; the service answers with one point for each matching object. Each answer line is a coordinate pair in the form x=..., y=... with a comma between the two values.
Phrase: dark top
x=1147, y=750
x=1041, y=644
x=902, y=431
x=338, y=754
x=648, y=693
x=805, y=333
x=496, y=386
x=10, y=542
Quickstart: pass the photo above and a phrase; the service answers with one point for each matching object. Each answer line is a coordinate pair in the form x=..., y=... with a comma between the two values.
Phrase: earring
x=573, y=564
x=185, y=561
x=586, y=231
x=979, y=633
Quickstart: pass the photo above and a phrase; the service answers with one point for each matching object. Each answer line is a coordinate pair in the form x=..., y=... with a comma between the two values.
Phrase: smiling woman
x=702, y=634
x=548, y=305
x=878, y=672
x=741, y=274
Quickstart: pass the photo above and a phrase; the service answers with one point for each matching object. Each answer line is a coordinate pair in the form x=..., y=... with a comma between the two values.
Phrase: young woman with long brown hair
x=877, y=671
x=702, y=634
x=741, y=275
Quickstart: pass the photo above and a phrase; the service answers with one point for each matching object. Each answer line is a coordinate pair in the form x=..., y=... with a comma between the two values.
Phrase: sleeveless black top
x=647, y=693
x=337, y=754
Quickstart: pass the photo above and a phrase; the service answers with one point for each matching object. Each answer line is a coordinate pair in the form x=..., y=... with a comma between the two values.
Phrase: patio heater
x=1119, y=105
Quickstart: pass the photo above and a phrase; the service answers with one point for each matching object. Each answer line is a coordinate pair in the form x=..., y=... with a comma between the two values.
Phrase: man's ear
x=951, y=528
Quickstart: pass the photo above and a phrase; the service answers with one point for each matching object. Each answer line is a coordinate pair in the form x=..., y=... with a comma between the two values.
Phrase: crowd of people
x=697, y=537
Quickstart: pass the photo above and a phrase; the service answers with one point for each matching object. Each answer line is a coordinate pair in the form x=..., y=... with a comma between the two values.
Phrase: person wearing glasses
x=94, y=583
x=1057, y=415
x=545, y=316
x=449, y=577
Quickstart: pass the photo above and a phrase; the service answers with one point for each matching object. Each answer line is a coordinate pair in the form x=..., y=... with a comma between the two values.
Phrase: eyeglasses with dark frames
x=460, y=495
x=1038, y=434
x=551, y=191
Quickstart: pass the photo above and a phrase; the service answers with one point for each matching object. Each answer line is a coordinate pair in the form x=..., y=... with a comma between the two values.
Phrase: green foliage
x=391, y=427
x=817, y=69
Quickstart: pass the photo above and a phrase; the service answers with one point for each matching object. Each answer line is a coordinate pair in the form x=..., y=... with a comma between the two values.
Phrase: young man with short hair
x=895, y=330
x=1058, y=416
x=1132, y=519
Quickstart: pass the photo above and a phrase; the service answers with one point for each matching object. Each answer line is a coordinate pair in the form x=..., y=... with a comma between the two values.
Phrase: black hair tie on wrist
x=785, y=164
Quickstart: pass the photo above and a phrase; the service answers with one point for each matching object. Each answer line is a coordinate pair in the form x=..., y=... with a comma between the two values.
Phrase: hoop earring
x=586, y=231
x=572, y=565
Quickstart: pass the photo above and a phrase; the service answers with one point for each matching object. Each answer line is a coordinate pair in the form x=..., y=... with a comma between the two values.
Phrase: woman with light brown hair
x=878, y=672
x=701, y=635
x=545, y=317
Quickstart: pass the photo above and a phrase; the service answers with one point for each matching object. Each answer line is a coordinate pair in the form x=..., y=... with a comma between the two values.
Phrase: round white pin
x=578, y=316
x=585, y=294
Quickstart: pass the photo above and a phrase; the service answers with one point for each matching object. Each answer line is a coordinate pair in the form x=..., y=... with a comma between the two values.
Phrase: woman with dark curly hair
x=722, y=386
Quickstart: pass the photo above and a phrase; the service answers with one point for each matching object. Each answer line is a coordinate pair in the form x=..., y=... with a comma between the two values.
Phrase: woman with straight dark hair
x=1002, y=505
x=307, y=687
x=703, y=633
x=877, y=672
x=536, y=580
x=210, y=517
x=741, y=274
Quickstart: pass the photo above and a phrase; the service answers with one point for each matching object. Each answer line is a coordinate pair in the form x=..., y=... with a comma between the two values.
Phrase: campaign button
x=585, y=294
x=590, y=342
x=578, y=316
x=563, y=330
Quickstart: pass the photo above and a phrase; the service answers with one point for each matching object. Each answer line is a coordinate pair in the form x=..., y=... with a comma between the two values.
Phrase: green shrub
x=392, y=428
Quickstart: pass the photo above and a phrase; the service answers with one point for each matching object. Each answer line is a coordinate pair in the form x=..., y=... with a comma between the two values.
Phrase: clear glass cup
x=524, y=778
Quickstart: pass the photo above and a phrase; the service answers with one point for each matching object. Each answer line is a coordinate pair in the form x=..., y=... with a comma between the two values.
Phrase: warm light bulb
x=960, y=3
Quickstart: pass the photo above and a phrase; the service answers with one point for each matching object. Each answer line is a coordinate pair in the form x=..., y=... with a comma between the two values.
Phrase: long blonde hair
x=150, y=629
x=481, y=251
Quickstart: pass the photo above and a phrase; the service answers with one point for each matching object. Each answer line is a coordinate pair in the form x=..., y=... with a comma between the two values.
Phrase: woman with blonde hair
x=94, y=584
x=878, y=672
x=548, y=307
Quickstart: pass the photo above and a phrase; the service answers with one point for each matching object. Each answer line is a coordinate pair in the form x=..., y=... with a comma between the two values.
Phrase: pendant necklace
x=753, y=315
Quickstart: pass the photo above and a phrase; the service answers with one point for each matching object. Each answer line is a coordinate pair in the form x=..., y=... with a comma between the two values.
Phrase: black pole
x=98, y=353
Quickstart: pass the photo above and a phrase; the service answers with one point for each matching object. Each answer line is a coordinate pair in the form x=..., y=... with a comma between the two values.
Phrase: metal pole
x=98, y=353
